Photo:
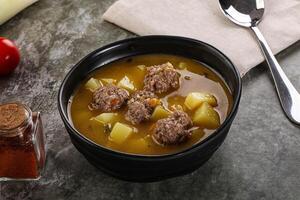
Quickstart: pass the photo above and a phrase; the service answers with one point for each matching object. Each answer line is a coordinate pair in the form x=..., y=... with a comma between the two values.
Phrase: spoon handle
x=288, y=95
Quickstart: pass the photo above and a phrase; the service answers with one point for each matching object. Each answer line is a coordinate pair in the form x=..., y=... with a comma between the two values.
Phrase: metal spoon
x=248, y=14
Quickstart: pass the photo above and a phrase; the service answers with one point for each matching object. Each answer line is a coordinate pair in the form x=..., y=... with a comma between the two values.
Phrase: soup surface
x=194, y=77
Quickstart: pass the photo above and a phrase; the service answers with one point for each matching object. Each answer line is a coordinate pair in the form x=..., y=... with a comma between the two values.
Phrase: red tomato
x=9, y=56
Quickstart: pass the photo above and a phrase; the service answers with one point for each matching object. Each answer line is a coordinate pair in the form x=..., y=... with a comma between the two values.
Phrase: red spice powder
x=18, y=164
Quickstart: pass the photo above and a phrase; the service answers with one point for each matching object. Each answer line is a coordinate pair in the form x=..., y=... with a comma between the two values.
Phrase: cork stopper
x=12, y=115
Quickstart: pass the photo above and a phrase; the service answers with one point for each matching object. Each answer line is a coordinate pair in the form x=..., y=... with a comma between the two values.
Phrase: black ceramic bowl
x=149, y=168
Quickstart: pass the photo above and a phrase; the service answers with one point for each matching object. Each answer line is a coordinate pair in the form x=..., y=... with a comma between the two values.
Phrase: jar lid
x=13, y=116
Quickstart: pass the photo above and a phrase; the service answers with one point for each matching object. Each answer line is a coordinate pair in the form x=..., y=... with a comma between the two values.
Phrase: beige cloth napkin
x=203, y=20
x=9, y=8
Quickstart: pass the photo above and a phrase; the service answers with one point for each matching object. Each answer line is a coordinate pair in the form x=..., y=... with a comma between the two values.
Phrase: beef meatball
x=174, y=129
x=109, y=98
x=141, y=106
x=161, y=78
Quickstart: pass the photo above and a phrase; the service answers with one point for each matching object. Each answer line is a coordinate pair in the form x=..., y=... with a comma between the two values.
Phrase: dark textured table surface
x=260, y=159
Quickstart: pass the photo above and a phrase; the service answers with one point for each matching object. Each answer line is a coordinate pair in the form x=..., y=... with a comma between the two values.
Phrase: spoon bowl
x=243, y=13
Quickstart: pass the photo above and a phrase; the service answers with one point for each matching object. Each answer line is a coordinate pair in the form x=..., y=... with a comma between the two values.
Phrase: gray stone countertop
x=260, y=158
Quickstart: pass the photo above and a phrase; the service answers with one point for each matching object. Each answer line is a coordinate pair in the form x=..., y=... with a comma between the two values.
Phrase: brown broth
x=202, y=79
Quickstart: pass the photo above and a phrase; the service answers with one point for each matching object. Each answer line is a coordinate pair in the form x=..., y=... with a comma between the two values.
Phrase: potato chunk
x=107, y=118
x=159, y=113
x=126, y=83
x=195, y=99
x=120, y=133
x=182, y=65
x=138, y=145
x=93, y=84
x=108, y=80
x=141, y=67
x=205, y=116
x=99, y=130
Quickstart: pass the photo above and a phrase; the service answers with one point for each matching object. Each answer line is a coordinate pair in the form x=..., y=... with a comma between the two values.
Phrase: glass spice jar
x=22, y=146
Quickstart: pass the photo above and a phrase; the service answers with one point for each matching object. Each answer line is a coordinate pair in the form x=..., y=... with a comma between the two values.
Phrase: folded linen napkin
x=9, y=8
x=203, y=20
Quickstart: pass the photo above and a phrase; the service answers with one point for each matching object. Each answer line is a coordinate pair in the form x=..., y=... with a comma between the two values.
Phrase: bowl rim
x=191, y=149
